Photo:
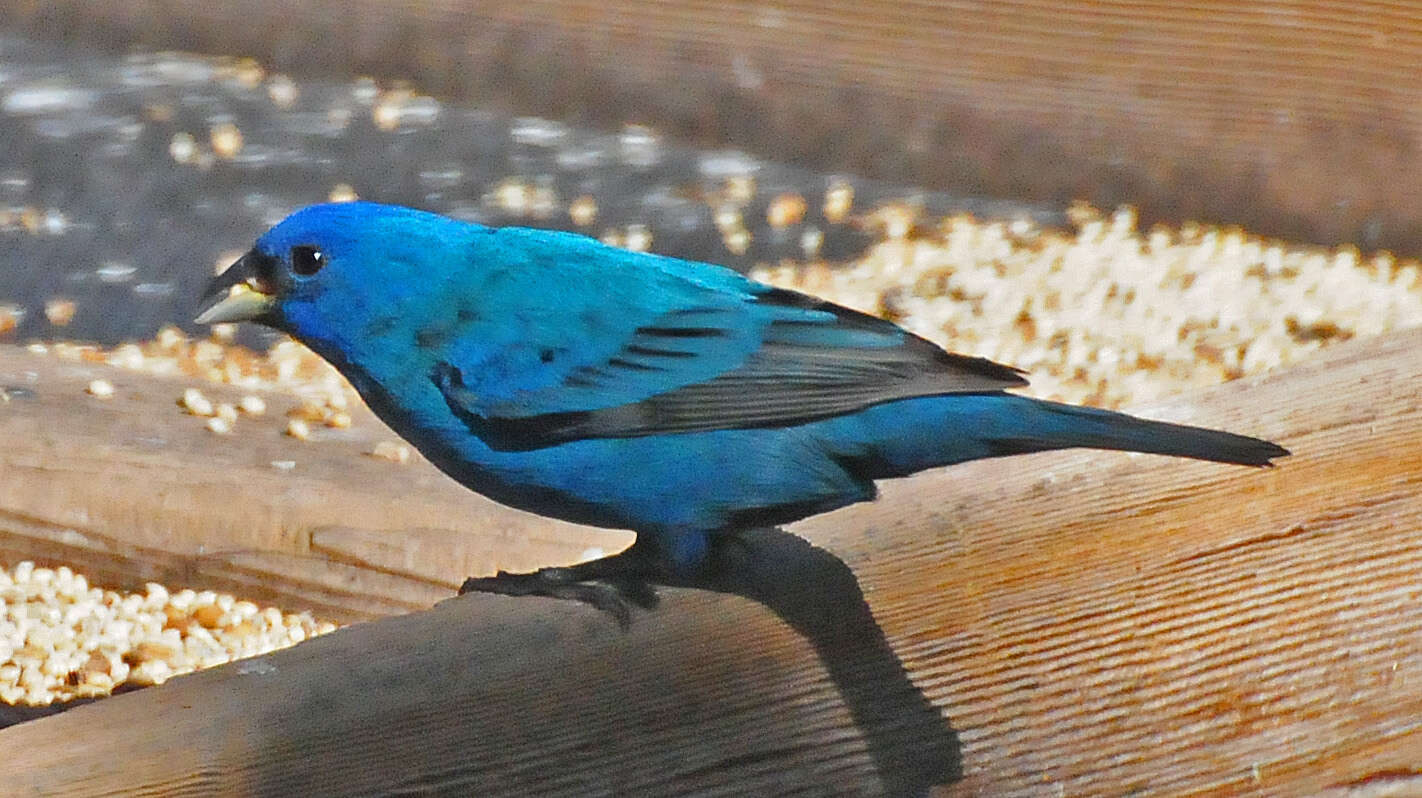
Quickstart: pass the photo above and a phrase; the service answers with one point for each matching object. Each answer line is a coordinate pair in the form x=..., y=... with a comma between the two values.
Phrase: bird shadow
x=910, y=742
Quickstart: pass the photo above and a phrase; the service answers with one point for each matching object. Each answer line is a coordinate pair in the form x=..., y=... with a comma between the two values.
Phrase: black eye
x=306, y=260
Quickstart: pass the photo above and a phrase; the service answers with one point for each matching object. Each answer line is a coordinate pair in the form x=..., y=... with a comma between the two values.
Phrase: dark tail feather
x=1068, y=426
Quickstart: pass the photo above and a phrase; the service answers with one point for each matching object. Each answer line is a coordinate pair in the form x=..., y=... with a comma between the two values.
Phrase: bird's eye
x=306, y=260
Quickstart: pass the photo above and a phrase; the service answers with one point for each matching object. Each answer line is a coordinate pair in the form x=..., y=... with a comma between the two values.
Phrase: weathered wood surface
x=131, y=489
x=1301, y=119
x=1066, y=623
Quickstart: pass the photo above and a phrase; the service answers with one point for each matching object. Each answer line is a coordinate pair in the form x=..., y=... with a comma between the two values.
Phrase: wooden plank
x=1301, y=119
x=132, y=489
x=1064, y=623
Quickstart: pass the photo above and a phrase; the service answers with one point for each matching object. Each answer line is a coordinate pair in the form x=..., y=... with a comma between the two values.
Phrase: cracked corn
x=60, y=638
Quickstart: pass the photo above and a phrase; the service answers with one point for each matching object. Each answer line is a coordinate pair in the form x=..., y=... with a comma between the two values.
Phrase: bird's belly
x=707, y=481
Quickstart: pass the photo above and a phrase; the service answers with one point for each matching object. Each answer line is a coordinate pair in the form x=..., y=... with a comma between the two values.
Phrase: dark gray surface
x=1305, y=125
x=95, y=208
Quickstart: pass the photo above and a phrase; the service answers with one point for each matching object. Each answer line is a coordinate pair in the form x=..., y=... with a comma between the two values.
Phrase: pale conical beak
x=238, y=294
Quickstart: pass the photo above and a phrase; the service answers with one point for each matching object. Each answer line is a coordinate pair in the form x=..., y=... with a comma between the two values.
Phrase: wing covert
x=771, y=357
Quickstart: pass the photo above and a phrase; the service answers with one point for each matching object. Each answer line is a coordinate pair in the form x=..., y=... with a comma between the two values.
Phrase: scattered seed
x=170, y=338
x=226, y=140
x=839, y=199
x=785, y=210
x=583, y=211
x=183, y=147
x=308, y=410
x=227, y=412
x=195, y=403
x=10, y=318
x=60, y=312
x=392, y=451
x=298, y=429
x=282, y=91
x=740, y=189
x=638, y=239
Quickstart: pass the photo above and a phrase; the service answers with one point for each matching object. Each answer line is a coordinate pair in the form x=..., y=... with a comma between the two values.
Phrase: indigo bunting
x=681, y=400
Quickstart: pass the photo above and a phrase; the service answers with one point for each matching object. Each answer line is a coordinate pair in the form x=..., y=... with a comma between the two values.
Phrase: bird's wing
x=723, y=353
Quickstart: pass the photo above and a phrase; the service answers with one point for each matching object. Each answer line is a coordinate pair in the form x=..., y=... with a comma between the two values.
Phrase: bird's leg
x=612, y=584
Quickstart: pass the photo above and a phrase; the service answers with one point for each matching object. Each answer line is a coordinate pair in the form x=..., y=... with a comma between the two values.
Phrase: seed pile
x=1107, y=316
x=61, y=638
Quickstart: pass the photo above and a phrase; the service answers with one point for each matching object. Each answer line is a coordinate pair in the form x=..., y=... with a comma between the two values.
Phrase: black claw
x=639, y=593
x=603, y=597
x=615, y=596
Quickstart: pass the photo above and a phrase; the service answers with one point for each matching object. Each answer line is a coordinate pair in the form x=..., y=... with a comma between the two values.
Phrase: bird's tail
x=1050, y=425
x=899, y=438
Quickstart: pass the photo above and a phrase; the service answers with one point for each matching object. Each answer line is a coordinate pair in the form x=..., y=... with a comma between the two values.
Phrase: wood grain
x=1063, y=623
x=132, y=489
x=1300, y=119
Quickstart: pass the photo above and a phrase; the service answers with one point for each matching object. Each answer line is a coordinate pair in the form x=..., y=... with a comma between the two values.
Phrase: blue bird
x=680, y=400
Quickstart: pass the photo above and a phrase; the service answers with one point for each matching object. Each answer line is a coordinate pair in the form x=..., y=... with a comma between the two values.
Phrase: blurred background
x=144, y=143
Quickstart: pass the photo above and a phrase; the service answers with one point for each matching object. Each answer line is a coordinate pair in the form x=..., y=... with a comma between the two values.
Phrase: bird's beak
x=238, y=294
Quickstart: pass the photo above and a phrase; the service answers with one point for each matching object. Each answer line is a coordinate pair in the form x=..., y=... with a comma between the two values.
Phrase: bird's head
x=329, y=265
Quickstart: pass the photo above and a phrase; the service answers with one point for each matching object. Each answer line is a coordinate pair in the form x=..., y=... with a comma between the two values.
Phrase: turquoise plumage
x=678, y=399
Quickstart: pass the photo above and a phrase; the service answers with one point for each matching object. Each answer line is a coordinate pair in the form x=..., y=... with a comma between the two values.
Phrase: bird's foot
x=612, y=593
